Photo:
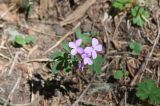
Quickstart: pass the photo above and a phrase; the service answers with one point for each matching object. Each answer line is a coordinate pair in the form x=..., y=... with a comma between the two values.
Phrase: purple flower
x=92, y=51
x=86, y=59
x=76, y=47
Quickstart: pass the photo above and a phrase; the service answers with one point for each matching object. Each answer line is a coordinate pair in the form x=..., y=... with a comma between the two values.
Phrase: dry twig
x=13, y=63
x=6, y=12
x=62, y=39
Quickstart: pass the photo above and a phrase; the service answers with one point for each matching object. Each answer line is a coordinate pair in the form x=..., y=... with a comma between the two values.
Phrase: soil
x=31, y=82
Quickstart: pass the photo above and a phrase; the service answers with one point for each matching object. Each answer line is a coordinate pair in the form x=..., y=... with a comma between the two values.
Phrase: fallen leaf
x=78, y=13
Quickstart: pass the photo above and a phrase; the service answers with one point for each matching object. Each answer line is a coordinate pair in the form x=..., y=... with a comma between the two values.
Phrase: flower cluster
x=88, y=53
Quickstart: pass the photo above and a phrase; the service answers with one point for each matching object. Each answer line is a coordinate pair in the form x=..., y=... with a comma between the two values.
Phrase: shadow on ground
x=51, y=87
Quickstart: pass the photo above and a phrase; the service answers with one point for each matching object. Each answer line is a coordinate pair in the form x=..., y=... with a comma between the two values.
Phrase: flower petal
x=84, y=55
x=80, y=50
x=78, y=42
x=88, y=50
x=94, y=42
x=73, y=52
x=72, y=45
x=94, y=54
x=87, y=61
x=98, y=48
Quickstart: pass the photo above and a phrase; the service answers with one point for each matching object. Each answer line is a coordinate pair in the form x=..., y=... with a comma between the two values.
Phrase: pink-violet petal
x=80, y=50
x=94, y=54
x=88, y=61
x=94, y=42
x=98, y=48
x=84, y=55
x=72, y=45
x=78, y=42
x=88, y=50
x=73, y=52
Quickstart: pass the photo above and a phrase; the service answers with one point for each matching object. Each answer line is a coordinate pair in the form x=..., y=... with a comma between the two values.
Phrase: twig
x=12, y=91
x=62, y=39
x=13, y=63
x=2, y=47
x=145, y=63
x=38, y=60
x=6, y=12
x=2, y=55
x=59, y=42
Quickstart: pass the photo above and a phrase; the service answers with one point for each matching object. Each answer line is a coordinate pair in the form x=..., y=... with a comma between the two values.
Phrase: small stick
x=38, y=60
x=13, y=63
x=5, y=13
x=62, y=39
x=12, y=91
x=2, y=47
x=2, y=55
x=59, y=42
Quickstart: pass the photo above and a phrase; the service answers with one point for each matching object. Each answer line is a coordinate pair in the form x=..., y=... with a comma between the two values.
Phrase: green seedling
x=20, y=40
x=121, y=4
x=136, y=47
x=147, y=90
x=120, y=74
x=139, y=15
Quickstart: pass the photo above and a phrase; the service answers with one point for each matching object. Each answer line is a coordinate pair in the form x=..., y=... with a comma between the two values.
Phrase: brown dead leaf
x=78, y=13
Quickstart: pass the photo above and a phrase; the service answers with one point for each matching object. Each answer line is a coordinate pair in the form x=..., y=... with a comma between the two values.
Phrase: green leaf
x=119, y=74
x=86, y=39
x=97, y=63
x=144, y=89
x=148, y=90
x=136, y=47
x=56, y=54
x=120, y=4
x=20, y=40
x=139, y=15
x=66, y=46
x=54, y=68
x=30, y=39
x=155, y=96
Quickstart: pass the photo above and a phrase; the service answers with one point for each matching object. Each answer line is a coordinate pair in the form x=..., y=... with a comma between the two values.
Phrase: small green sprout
x=120, y=74
x=121, y=4
x=139, y=15
x=148, y=90
x=136, y=47
x=20, y=40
